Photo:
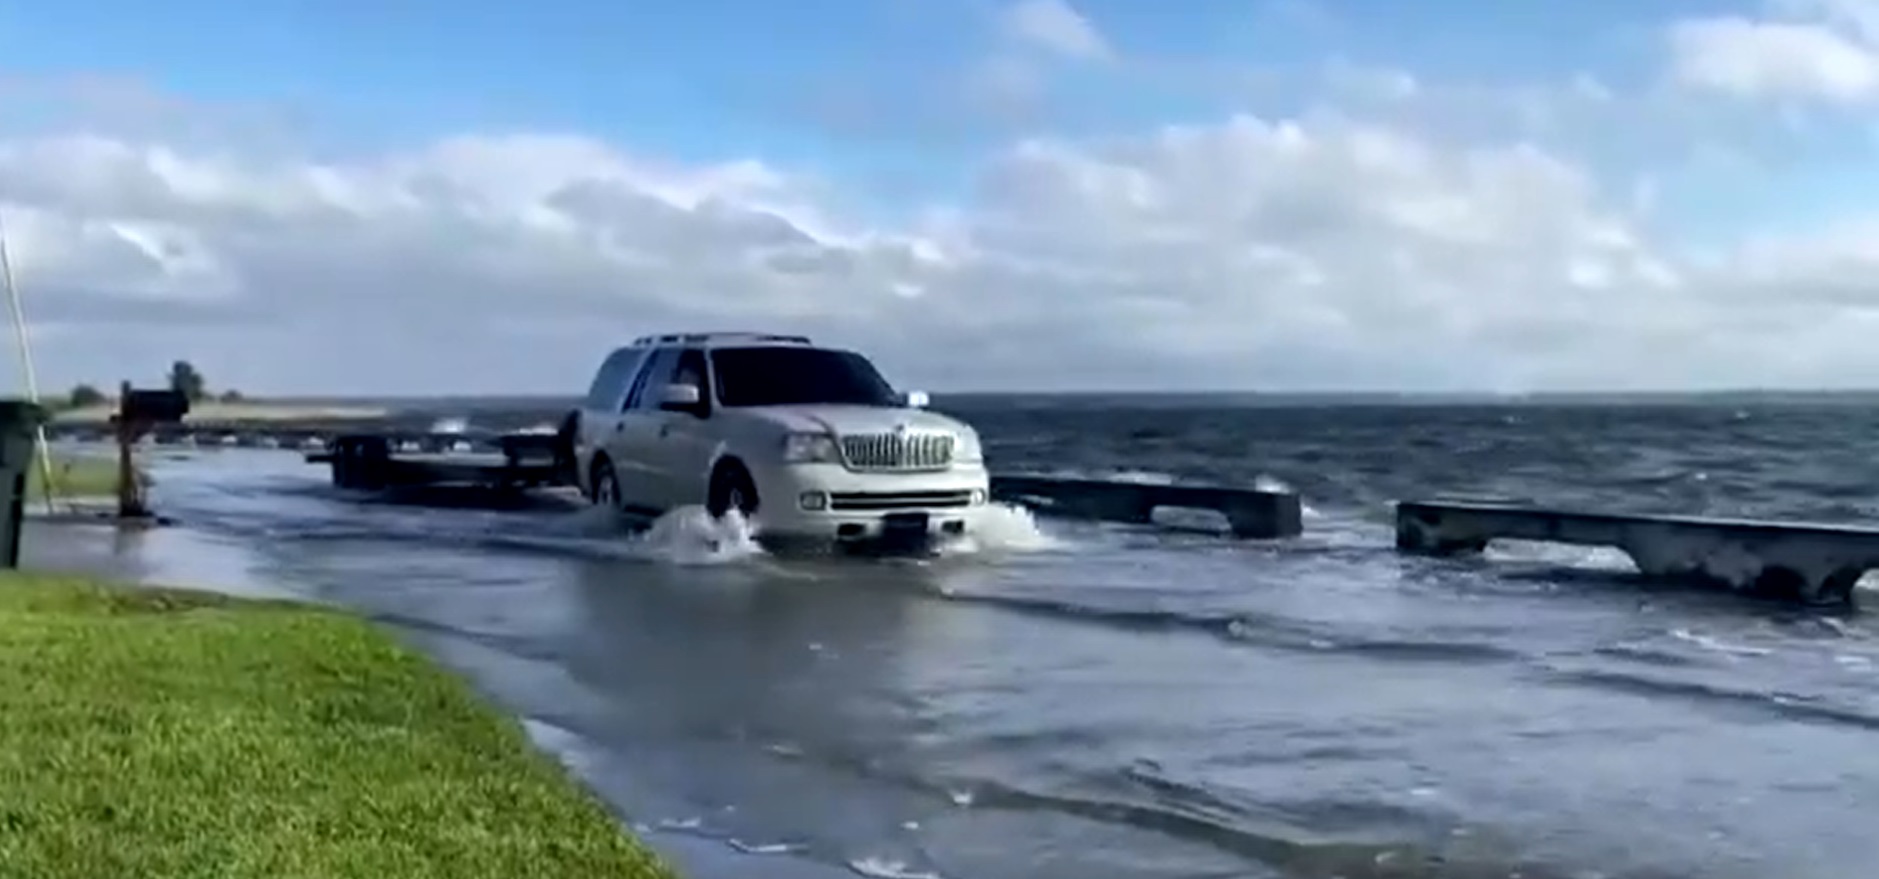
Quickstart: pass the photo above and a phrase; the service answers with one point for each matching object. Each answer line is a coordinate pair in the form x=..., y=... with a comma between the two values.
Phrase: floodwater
x=1077, y=700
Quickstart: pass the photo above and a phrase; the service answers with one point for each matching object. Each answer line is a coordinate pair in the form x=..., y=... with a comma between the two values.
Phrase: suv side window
x=691, y=370
x=609, y=389
x=652, y=377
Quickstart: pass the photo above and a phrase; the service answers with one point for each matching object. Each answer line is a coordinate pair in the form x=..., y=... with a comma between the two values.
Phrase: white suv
x=804, y=441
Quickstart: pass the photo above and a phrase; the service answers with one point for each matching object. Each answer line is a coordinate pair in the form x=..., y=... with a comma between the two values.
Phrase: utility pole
x=40, y=448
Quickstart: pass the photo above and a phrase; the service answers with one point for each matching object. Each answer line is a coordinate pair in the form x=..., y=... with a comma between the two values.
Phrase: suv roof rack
x=715, y=337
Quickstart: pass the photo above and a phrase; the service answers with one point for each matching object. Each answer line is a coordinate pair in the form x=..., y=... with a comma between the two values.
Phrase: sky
x=353, y=197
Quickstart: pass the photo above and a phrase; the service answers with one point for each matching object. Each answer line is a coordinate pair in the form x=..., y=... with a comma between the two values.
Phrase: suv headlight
x=810, y=448
x=967, y=449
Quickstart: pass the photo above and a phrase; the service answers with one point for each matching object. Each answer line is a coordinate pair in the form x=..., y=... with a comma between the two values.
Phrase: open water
x=1086, y=701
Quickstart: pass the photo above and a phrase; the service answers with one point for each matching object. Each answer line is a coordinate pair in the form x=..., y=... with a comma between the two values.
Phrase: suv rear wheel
x=606, y=485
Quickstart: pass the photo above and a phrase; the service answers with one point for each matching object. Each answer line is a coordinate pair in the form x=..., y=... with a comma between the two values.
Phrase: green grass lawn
x=74, y=476
x=163, y=733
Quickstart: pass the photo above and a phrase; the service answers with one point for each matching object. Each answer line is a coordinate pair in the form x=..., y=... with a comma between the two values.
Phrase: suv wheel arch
x=731, y=485
x=591, y=488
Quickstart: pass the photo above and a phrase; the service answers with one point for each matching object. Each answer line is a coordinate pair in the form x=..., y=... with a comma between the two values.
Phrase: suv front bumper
x=829, y=503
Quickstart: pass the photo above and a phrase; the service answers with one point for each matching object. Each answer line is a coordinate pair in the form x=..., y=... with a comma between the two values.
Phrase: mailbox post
x=137, y=412
x=19, y=421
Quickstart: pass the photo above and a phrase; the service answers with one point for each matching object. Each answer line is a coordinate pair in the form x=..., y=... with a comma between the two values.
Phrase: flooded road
x=1077, y=701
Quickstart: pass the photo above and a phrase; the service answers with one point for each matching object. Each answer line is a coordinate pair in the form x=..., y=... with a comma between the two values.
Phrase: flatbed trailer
x=518, y=461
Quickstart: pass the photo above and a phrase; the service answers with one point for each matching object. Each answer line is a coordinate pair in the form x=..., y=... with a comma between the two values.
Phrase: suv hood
x=846, y=420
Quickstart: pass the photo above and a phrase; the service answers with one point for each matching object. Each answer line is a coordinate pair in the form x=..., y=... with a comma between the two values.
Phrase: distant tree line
x=183, y=378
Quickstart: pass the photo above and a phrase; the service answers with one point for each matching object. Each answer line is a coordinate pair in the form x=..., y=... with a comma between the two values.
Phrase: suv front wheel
x=731, y=489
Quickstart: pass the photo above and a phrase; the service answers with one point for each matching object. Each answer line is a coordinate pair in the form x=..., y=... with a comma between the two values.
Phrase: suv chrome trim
x=900, y=451
x=716, y=337
x=881, y=501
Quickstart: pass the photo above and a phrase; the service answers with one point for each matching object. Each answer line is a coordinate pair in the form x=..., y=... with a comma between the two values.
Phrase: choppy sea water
x=1077, y=700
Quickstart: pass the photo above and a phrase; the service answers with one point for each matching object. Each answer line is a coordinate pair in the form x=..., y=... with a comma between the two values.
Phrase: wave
x=1241, y=627
x=1326, y=837
x=1784, y=706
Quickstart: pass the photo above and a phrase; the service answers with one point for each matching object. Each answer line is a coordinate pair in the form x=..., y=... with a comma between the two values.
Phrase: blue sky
x=1505, y=188
x=720, y=79
x=713, y=80
x=708, y=79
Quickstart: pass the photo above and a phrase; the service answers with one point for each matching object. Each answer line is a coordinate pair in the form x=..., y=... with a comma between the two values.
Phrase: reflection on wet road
x=1091, y=701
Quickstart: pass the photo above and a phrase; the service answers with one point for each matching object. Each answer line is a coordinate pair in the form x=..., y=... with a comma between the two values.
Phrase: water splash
x=1265, y=482
x=1268, y=482
x=1140, y=477
x=1717, y=645
x=997, y=528
x=690, y=536
x=766, y=848
x=884, y=868
x=682, y=536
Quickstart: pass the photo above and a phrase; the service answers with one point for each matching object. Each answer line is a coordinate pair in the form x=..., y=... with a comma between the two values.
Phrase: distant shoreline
x=223, y=413
x=336, y=411
x=397, y=403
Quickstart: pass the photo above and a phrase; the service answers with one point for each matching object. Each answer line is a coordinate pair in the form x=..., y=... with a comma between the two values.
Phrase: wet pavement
x=1087, y=701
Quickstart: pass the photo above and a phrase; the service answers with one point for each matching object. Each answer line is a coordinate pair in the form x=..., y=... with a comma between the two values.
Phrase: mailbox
x=137, y=411
x=153, y=407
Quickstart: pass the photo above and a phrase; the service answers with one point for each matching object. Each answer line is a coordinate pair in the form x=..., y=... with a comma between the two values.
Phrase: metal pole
x=40, y=447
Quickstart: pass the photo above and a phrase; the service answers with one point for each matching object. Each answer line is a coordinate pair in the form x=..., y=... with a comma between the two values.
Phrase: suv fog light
x=814, y=500
x=978, y=496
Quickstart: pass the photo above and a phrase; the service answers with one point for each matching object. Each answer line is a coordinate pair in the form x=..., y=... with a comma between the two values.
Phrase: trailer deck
x=1251, y=513
x=374, y=461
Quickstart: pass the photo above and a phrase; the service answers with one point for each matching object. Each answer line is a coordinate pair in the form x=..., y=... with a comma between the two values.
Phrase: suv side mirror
x=914, y=399
x=680, y=398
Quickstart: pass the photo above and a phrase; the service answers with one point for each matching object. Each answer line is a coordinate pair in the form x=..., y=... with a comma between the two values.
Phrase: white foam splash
x=766, y=848
x=1853, y=661
x=683, y=536
x=1188, y=519
x=565, y=745
x=1264, y=482
x=881, y=868
x=690, y=536
x=1140, y=477
x=1270, y=483
x=1002, y=528
x=1712, y=643
x=1602, y=558
x=1840, y=628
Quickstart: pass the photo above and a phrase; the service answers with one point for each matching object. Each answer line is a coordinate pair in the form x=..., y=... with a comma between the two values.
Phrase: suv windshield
x=779, y=376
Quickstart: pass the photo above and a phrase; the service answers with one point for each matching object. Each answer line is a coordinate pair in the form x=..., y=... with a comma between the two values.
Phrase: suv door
x=606, y=399
x=634, y=443
x=685, y=443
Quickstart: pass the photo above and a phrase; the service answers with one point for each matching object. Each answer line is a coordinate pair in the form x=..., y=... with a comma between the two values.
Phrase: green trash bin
x=19, y=424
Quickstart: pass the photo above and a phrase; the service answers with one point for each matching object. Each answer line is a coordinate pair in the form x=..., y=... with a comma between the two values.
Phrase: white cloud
x=1251, y=253
x=1376, y=240
x=1802, y=49
x=1056, y=27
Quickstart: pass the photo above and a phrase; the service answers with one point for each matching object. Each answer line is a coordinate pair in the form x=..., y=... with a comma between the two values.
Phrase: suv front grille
x=898, y=451
x=863, y=501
